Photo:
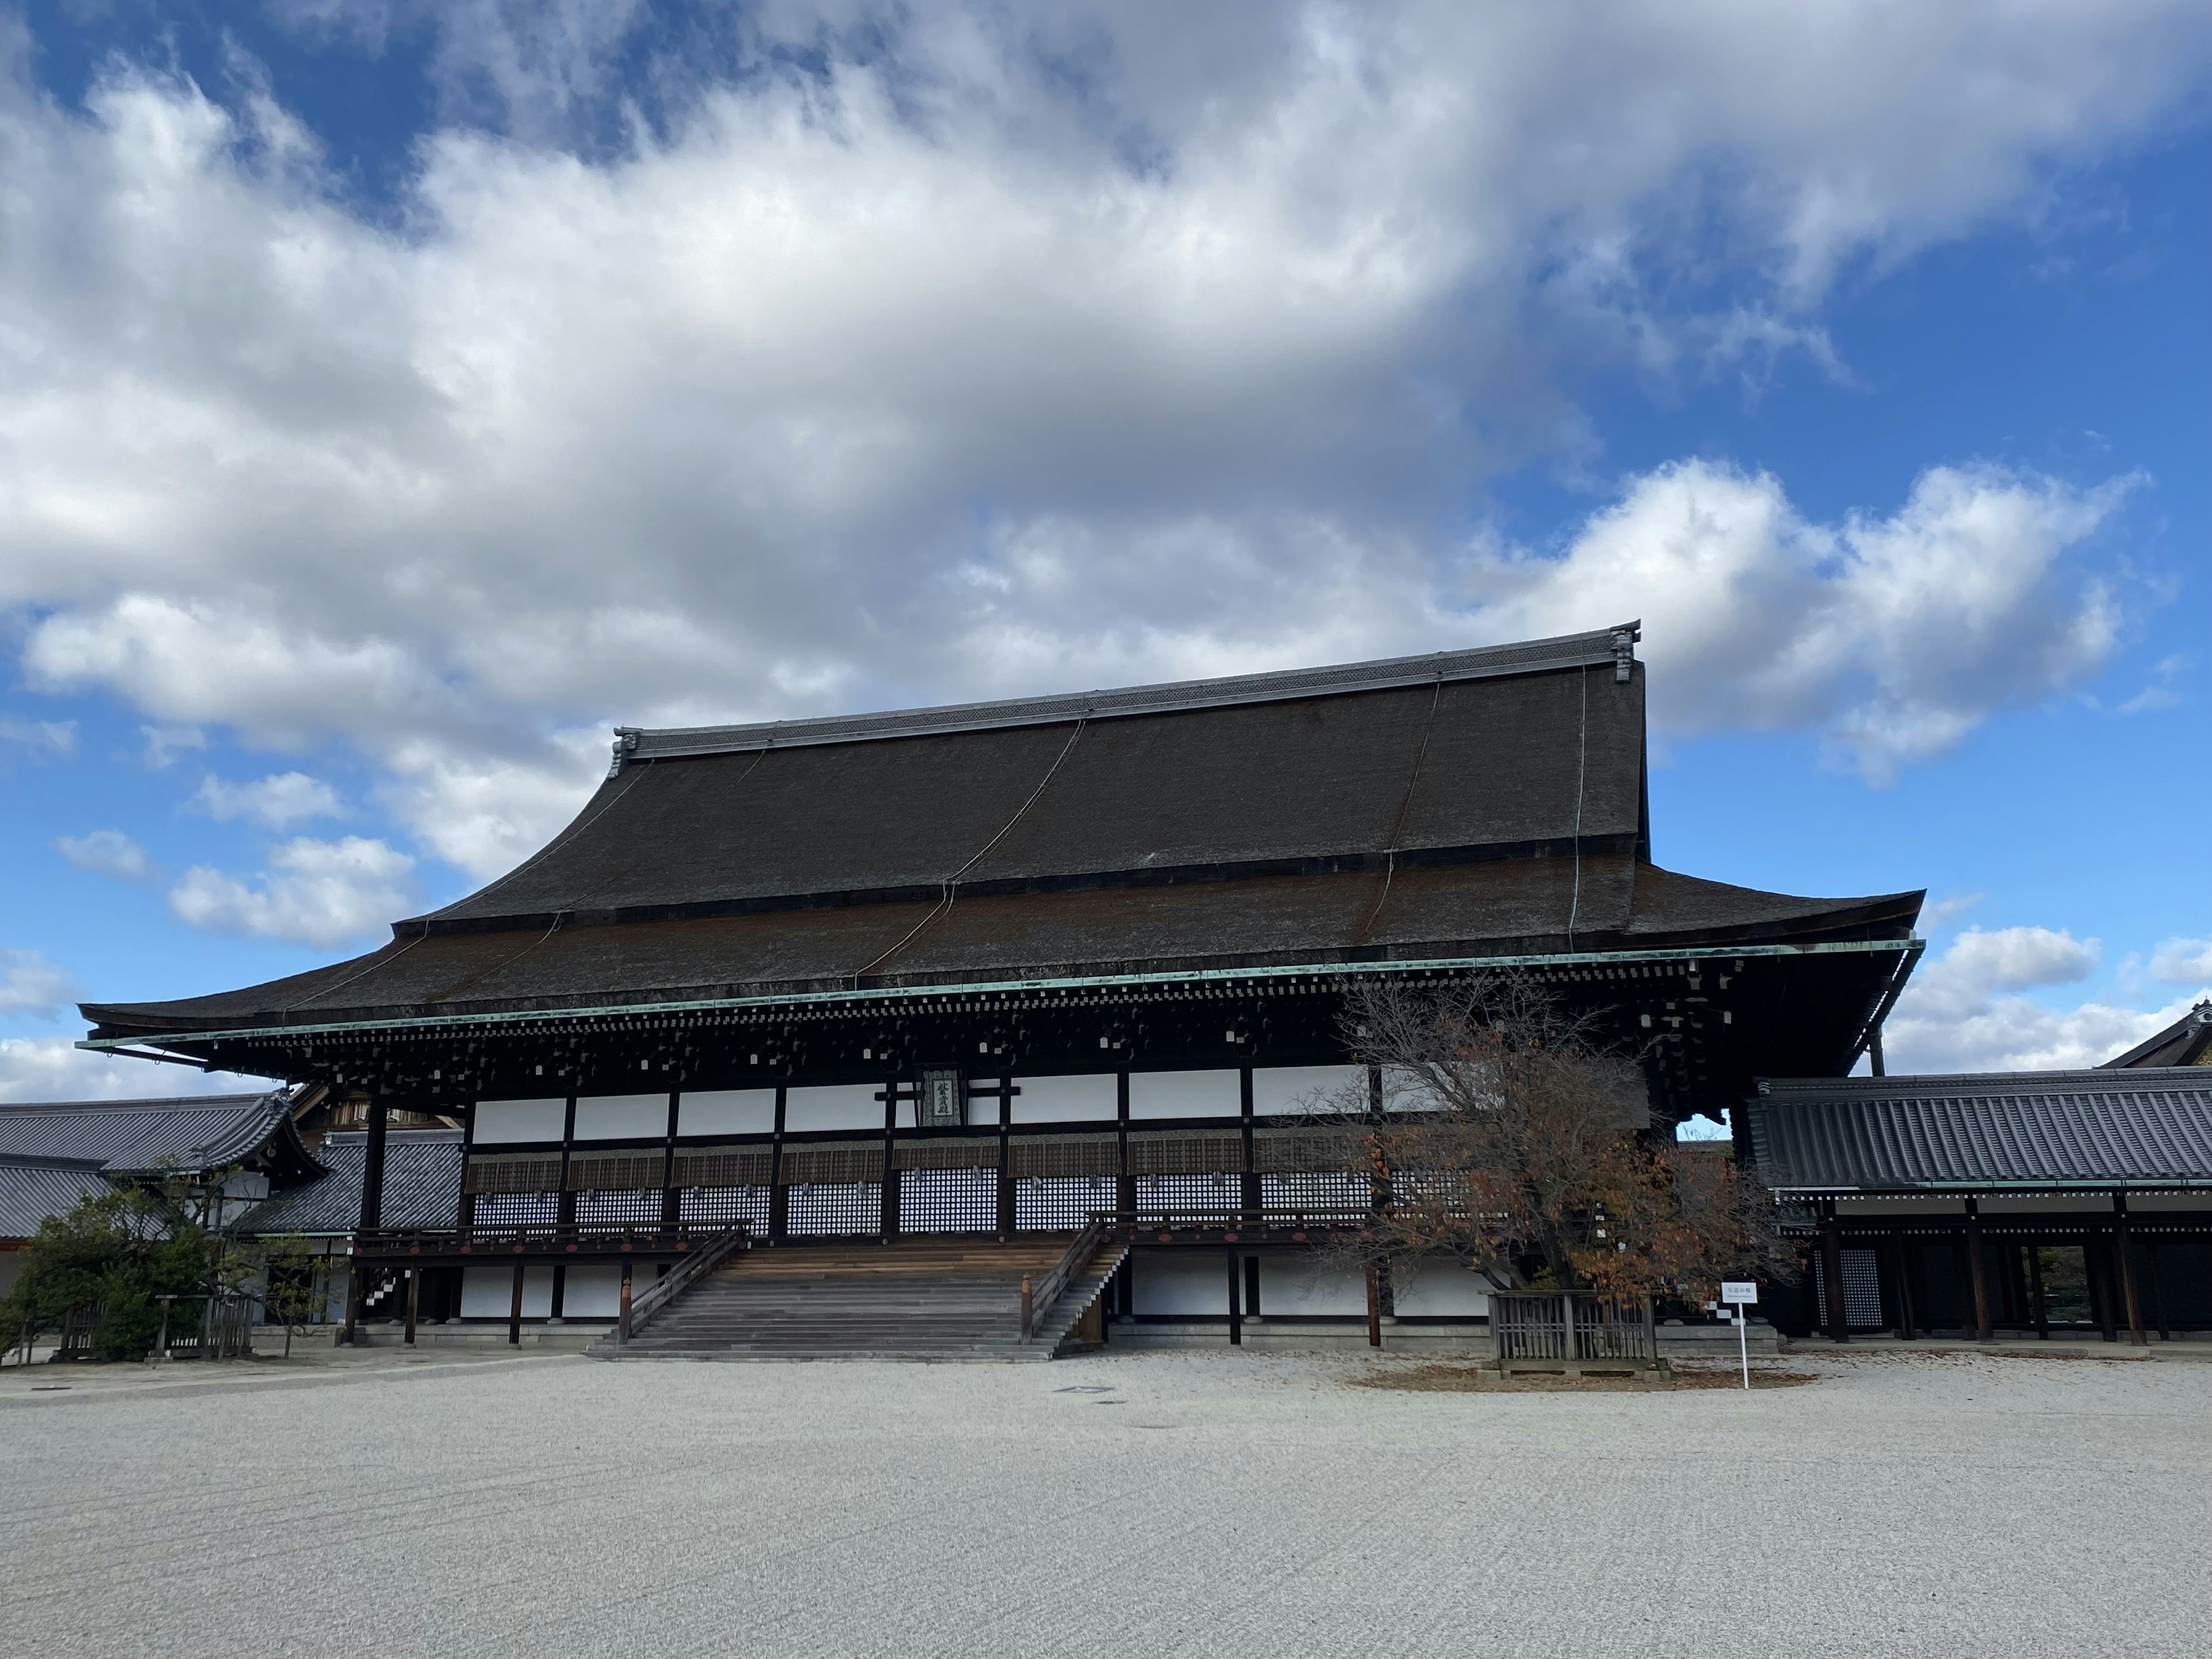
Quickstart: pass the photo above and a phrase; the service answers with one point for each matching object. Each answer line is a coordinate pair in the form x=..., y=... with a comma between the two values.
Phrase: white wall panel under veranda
x=594, y=1291
x=488, y=1292
x=1087, y=1098
x=835, y=1106
x=1279, y=1090
x=1185, y=1094
x=1291, y=1285
x=1173, y=1283
x=499, y=1120
x=622, y=1117
x=1444, y=1290
x=726, y=1112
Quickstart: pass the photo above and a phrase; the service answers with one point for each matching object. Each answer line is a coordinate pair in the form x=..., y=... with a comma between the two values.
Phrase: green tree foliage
x=118, y=1250
x=293, y=1292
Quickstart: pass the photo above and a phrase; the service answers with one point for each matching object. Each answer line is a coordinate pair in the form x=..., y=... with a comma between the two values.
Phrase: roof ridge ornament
x=1624, y=650
x=625, y=745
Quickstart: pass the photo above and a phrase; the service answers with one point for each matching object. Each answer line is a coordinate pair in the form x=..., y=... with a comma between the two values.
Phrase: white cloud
x=942, y=371
x=164, y=743
x=105, y=853
x=40, y=737
x=1894, y=637
x=1963, y=1011
x=279, y=800
x=2183, y=961
x=314, y=892
x=53, y=1068
x=31, y=984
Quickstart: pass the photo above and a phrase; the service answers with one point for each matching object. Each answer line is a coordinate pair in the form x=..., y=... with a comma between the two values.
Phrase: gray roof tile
x=2099, y=1128
x=421, y=1185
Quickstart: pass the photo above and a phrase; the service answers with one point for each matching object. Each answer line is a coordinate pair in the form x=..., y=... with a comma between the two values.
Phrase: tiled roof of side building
x=144, y=1137
x=2026, y=1129
x=29, y=1193
x=2187, y=1041
x=422, y=1186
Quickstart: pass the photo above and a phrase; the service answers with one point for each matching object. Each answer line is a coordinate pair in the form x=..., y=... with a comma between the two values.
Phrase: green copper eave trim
x=1097, y=981
x=1967, y=1188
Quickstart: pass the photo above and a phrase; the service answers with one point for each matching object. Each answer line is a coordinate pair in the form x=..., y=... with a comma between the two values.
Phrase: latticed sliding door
x=833, y=1187
x=1061, y=1181
x=514, y=1189
x=949, y=1186
x=618, y=1190
x=1311, y=1172
x=719, y=1185
x=1188, y=1172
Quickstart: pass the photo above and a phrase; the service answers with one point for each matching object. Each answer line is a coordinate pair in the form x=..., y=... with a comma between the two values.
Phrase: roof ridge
x=1615, y=644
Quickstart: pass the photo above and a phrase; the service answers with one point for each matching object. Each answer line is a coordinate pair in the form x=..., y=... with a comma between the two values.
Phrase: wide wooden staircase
x=921, y=1299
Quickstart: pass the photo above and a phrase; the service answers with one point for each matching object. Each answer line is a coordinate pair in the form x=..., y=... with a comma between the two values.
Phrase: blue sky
x=400, y=395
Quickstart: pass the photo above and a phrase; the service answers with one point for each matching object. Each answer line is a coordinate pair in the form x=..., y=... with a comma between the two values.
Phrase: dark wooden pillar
x=371, y=1167
x=1374, y=1305
x=514, y=1311
x=413, y=1301
x=672, y=1196
x=1007, y=1216
x=1978, y=1270
x=2157, y=1289
x=2035, y=1289
x=779, y=1195
x=466, y=1217
x=565, y=1205
x=1873, y=1054
x=554, y=1313
x=1832, y=1272
x=353, y=1297
x=1899, y=1278
x=622, y=1312
x=1236, y=1303
x=1251, y=1287
x=1248, y=1195
x=2123, y=1249
x=1125, y=1184
x=887, y=1212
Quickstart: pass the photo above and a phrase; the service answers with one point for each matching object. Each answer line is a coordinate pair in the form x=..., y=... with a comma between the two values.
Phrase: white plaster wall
x=1085, y=1098
x=1443, y=1290
x=594, y=1291
x=1402, y=1091
x=2095, y=1206
x=488, y=1292
x=1184, y=1094
x=1293, y=1285
x=622, y=1117
x=501, y=1121
x=983, y=1111
x=838, y=1106
x=726, y=1112
x=1280, y=1090
x=1177, y=1284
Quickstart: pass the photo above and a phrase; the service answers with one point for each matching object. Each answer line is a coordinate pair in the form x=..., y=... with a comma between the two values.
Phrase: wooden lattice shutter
x=614, y=1172
x=724, y=1166
x=522, y=1172
x=1193, y=1152
x=969, y=1154
x=1062, y=1157
x=833, y=1164
x=1288, y=1152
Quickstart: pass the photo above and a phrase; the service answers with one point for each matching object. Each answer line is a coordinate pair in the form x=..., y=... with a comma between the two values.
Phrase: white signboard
x=1742, y=1294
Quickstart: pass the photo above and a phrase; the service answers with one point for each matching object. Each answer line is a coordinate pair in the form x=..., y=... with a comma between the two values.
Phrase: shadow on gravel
x=1471, y=1379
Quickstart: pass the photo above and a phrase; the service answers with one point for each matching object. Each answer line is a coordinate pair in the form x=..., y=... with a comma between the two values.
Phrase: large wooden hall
x=941, y=986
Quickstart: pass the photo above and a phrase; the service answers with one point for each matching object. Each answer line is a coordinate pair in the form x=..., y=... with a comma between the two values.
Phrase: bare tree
x=1509, y=1138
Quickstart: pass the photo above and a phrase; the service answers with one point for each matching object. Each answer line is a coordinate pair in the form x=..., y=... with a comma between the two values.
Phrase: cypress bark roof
x=1474, y=803
x=2187, y=1041
x=2099, y=1128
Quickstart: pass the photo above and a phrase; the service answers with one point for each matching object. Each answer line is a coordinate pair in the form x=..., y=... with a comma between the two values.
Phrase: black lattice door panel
x=1862, y=1292
x=831, y=1210
x=722, y=1206
x=636, y=1208
x=1322, y=1193
x=518, y=1209
x=1061, y=1204
x=1190, y=1194
x=949, y=1200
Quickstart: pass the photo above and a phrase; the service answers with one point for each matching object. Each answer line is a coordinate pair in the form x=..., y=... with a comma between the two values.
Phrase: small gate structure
x=1572, y=1333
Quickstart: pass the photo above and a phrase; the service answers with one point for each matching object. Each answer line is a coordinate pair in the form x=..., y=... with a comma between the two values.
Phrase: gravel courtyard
x=1158, y=1504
